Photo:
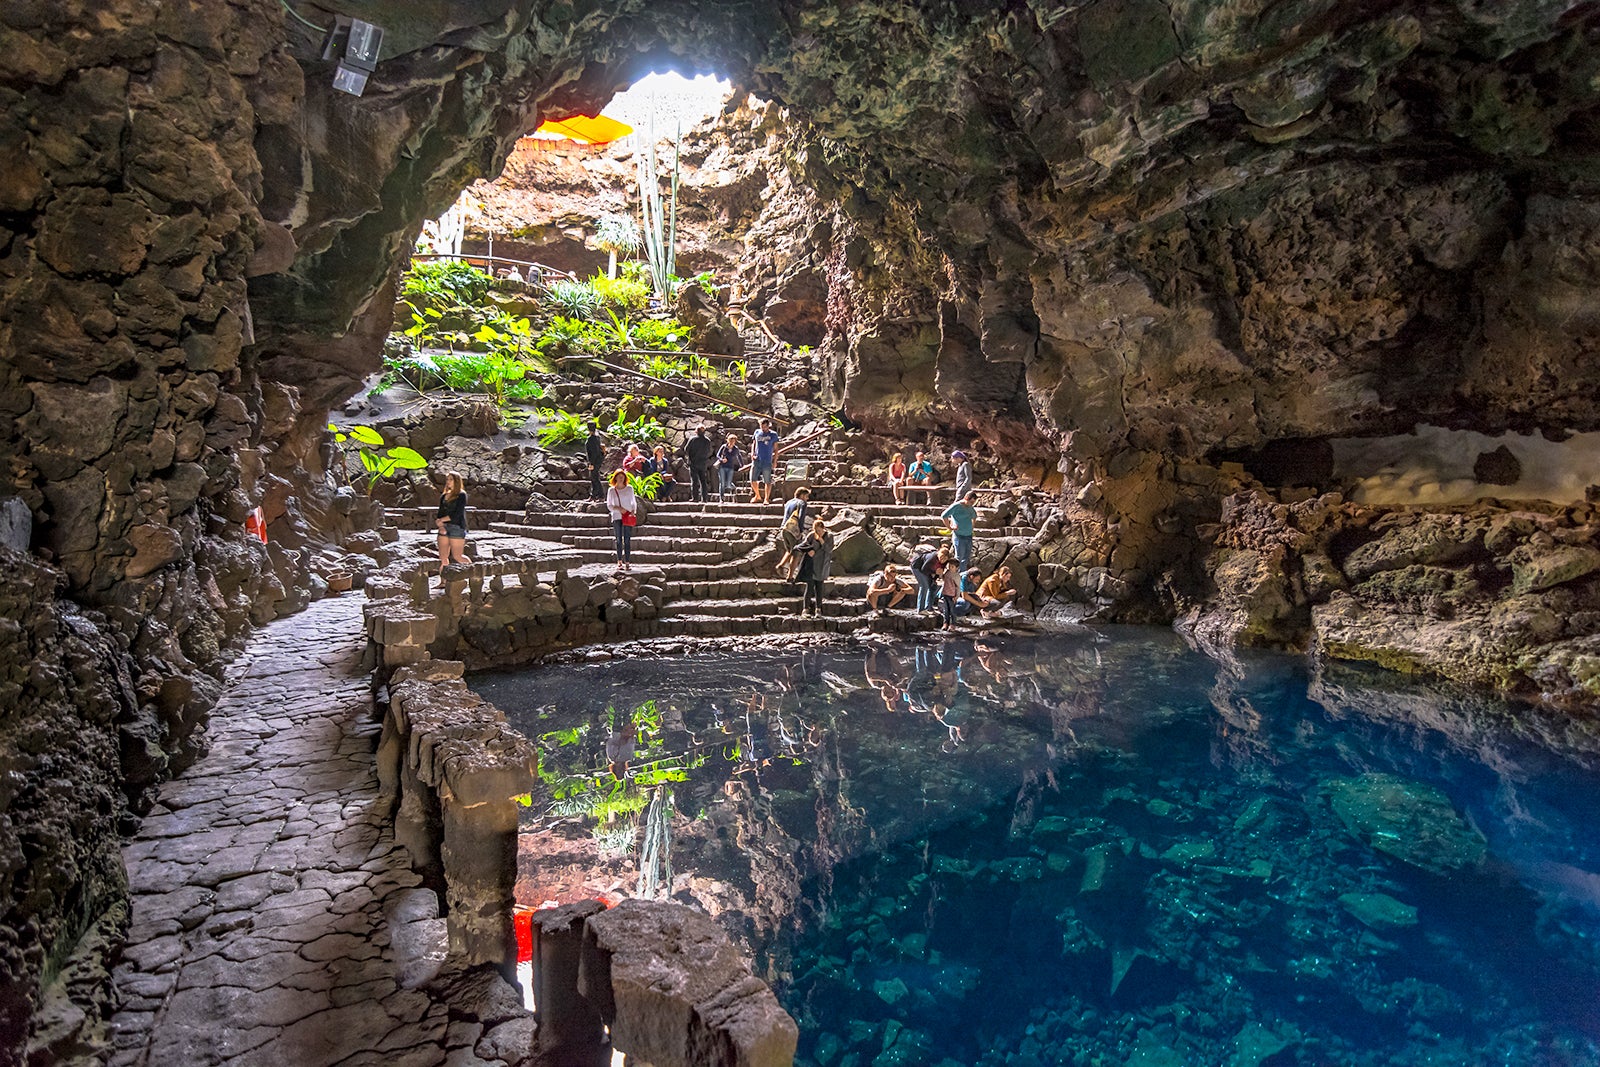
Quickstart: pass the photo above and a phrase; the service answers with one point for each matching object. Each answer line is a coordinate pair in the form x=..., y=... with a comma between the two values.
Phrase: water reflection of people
x=620, y=747
x=886, y=680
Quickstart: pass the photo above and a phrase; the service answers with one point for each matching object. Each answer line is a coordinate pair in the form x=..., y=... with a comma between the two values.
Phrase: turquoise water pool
x=1105, y=848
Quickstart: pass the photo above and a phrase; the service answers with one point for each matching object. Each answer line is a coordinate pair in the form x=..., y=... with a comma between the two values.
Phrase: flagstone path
x=275, y=921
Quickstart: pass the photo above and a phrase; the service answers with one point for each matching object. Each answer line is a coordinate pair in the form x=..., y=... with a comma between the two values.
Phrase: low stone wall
x=451, y=768
x=501, y=613
x=664, y=978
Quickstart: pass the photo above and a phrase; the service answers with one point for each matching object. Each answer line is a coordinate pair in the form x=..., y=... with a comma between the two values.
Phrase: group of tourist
x=944, y=587
x=946, y=581
x=702, y=457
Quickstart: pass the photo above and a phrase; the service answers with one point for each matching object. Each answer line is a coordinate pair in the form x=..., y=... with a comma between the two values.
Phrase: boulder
x=857, y=552
x=1500, y=467
x=1556, y=566
x=1411, y=821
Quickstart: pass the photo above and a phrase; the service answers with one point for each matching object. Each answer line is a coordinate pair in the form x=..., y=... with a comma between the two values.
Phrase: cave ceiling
x=1195, y=225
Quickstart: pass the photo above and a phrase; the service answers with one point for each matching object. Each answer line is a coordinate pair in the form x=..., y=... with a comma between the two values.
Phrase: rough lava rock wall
x=1122, y=237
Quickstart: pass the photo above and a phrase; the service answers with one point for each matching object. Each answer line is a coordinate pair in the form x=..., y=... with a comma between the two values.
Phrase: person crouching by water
x=886, y=590
x=624, y=508
x=815, y=552
x=451, y=519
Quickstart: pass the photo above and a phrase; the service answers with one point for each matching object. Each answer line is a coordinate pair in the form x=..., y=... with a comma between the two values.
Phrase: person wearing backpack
x=792, y=527
x=698, y=453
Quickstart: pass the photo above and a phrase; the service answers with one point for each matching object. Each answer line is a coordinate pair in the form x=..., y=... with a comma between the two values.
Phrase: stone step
x=667, y=559
x=691, y=551
x=847, y=587
x=743, y=609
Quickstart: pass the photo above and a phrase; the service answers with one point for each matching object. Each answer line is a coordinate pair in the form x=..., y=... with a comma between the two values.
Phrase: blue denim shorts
x=452, y=530
x=761, y=472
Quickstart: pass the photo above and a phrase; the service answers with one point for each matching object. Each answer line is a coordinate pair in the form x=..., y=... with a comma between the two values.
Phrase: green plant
x=739, y=369
x=719, y=408
x=630, y=292
x=705, y=280
x=504, y=377
x=446, y=281
x=366, y=443
x=616, y=331
x=668, y=334
x=644, y=428
x=613, y=234
x=428, y=329
x=664, y=367
x=575, y=299
x=646, y=485
x=560, y=427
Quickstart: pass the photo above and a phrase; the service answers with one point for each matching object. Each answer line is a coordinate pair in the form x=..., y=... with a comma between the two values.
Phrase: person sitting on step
x=886, y=589
x=897, y=477
x=661, y=463
x=921, y=475
x=634, y=462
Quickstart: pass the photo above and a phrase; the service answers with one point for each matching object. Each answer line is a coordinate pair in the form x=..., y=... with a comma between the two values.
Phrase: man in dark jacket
x=595, y=449
x=698, y=453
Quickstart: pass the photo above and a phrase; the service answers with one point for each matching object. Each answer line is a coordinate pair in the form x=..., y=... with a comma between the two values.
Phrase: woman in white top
x=624, y=508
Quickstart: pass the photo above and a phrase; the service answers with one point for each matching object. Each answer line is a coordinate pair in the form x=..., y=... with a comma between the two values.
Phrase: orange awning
x=585, y=130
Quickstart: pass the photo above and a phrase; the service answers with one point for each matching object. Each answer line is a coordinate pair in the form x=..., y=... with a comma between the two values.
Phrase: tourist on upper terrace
x=764, y=455
x=897, y=474
x=634, y=461
x=729, y=460
x=793, y=526
x=594, y=449
x=815, y=552
x=698, y=454
x=624, y=508
x=661, y=463
x=886, y=589
x=922, y=475
x=451, y=519
x=961, y=516
x=963, y=473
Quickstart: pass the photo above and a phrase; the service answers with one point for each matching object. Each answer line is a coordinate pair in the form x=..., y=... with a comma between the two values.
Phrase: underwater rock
x=1411, y=821
x=1187, y=852
x=1379, y=910
x=890, y=992
x=1256, y=1044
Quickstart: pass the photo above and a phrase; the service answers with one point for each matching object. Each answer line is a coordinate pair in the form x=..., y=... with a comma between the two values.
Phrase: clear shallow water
x=1107, y=849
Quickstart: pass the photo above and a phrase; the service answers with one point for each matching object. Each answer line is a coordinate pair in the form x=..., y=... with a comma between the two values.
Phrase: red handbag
x=629, y=519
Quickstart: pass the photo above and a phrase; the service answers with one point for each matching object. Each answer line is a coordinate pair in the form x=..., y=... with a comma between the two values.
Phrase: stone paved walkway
x=275, y=921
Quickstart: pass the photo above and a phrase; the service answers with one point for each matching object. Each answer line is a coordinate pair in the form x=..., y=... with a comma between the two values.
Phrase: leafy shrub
x=668, y=334
x=560, y=427
x=625, y=293
x=503, y=377
x=446, y=281
x=367, y=443
x=664, y=367
x=646, y=485
x=641, y=430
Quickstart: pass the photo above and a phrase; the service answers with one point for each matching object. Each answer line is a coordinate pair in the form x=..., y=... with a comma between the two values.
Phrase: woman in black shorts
x=452, y=522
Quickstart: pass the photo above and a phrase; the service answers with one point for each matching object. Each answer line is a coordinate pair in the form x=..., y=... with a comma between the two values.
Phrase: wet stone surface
x=275, y=920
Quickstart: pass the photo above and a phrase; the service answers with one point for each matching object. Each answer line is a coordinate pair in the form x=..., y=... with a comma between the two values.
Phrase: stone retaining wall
x=450, y=767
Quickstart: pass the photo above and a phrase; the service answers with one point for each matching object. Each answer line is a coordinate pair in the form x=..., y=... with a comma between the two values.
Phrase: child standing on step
x=624, y=508
x=729, y=460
